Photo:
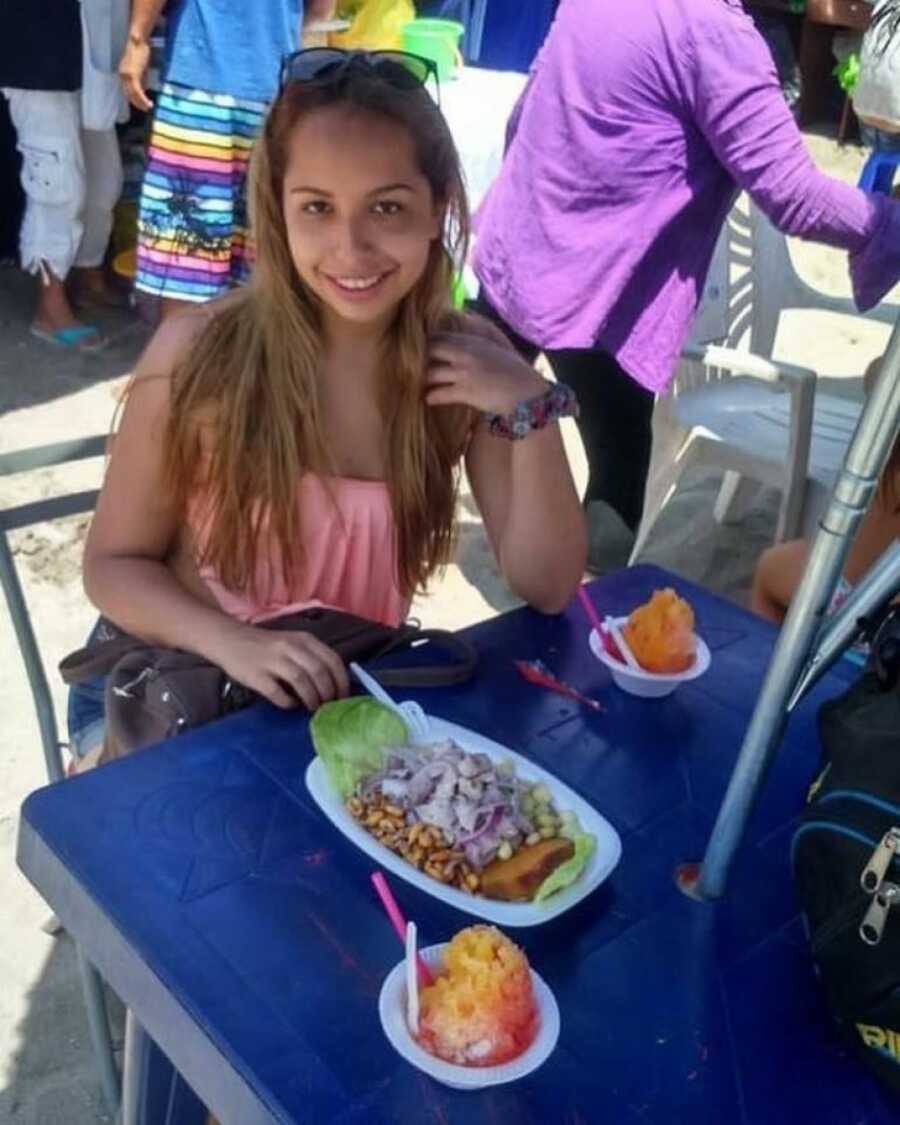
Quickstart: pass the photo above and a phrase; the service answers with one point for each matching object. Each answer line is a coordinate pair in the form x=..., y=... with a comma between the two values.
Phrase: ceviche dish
x=465, y=819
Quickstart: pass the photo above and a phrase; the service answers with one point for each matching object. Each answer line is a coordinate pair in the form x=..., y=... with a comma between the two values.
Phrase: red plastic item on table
x=536, y=672
x=607, y=641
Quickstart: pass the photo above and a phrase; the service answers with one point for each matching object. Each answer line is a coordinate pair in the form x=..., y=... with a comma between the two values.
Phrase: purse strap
x=100, y=658
x=443, y=674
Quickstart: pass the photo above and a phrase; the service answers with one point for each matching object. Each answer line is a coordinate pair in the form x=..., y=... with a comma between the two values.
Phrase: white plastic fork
x=417, y=722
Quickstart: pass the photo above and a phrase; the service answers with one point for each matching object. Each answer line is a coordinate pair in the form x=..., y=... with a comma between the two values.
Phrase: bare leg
x=169, y=306
x=90, y=288
x=776, y=578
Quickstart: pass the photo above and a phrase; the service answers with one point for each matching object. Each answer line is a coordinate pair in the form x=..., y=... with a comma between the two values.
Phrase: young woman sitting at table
x=300, y=442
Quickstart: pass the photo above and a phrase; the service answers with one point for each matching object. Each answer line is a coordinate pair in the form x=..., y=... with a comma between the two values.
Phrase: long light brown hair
x=255, y=369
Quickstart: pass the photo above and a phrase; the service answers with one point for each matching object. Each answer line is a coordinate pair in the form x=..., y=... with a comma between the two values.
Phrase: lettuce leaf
x=348, y=735
x=568, y=872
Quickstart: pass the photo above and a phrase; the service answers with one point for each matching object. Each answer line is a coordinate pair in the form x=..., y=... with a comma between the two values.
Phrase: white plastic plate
x=604, y=859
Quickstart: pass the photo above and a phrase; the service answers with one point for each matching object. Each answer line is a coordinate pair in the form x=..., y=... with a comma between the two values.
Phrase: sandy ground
x=46, y=1074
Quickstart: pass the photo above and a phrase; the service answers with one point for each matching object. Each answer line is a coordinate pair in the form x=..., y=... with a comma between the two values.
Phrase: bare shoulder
x=173, y=339
x=171, y=343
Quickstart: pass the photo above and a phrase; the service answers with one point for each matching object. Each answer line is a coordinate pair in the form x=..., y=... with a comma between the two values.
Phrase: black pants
x=614, y=423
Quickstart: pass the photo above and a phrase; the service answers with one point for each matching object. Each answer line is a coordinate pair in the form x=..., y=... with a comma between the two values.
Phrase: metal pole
x=37, y=678
x=476, y=32
x=858, y=478
x=98, y=1022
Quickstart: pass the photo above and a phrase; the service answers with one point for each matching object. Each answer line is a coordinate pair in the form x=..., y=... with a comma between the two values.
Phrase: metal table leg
x=858, y=479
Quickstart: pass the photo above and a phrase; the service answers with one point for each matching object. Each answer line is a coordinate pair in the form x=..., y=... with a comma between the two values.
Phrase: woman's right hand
x=286, y=668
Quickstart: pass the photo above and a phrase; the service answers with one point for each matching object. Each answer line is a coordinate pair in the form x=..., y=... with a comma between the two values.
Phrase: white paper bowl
x=648, y=685
x=392, y=1009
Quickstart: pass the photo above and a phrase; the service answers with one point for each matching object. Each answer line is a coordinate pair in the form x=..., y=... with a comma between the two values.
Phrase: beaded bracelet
x=558, y=401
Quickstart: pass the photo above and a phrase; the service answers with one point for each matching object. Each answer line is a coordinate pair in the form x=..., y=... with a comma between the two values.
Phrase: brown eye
x=388, y=207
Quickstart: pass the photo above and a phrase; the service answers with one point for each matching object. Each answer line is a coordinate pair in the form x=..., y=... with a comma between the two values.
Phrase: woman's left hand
x=471, y=369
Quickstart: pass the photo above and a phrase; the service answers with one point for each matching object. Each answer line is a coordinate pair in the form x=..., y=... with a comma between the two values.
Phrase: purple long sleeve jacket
x=640, y=120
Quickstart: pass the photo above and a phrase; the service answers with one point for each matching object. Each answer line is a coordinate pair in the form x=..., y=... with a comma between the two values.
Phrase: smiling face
x=360, y=216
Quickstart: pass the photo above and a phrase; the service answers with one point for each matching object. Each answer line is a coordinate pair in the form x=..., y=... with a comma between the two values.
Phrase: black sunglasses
x=327, y=64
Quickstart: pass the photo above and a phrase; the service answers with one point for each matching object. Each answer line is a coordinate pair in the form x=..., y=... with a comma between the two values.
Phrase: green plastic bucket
x=458, y=292
x=437, y=40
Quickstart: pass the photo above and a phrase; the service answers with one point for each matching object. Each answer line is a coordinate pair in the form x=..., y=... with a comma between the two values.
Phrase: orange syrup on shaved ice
x=660, y=634
x=481, y=1010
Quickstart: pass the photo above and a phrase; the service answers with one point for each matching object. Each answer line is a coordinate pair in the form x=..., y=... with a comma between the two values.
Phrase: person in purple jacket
x=639, y=123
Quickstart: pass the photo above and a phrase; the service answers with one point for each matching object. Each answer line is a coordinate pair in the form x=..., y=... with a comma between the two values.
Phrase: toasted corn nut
x=423, y=845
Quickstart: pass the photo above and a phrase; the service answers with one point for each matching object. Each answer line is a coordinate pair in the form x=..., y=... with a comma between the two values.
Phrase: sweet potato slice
x=518, y=878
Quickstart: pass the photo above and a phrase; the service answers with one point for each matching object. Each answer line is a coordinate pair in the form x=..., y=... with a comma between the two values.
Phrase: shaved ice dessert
x=660, y=634
x=481, y=1010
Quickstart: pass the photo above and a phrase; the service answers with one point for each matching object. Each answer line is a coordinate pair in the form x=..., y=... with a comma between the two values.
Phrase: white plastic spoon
x=412, y=981
x=616, y=633
x=411, y=713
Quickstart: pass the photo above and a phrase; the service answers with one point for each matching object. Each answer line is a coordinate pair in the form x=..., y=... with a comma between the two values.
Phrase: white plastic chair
x=759, y=420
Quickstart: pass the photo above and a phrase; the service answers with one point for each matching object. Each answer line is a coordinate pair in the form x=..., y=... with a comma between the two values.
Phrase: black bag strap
x=458, y=670
x=100, y=658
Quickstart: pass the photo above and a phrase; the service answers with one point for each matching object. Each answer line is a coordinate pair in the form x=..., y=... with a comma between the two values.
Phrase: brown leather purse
x=153, y=693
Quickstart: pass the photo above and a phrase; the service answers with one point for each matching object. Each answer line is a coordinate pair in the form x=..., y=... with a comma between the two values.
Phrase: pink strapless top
x=349, y=557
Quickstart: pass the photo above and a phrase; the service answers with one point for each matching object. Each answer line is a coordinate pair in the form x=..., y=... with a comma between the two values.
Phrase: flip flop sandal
x=78, y=337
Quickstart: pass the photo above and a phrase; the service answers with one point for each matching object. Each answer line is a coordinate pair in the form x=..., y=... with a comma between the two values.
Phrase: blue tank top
x=231, y=46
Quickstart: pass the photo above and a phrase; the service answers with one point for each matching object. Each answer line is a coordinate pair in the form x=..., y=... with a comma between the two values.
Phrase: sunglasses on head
x=328, y=64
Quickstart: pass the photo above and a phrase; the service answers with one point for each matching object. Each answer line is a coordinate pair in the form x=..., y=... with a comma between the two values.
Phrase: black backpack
x=846, y=864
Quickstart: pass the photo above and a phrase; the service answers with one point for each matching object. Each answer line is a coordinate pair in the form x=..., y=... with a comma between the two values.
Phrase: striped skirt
x=192, y=224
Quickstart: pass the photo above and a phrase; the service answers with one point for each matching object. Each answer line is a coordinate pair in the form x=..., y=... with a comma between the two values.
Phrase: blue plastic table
x=242, y=930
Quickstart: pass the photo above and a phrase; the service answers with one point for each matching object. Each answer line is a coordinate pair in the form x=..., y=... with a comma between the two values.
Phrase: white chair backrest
x=752, y=282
